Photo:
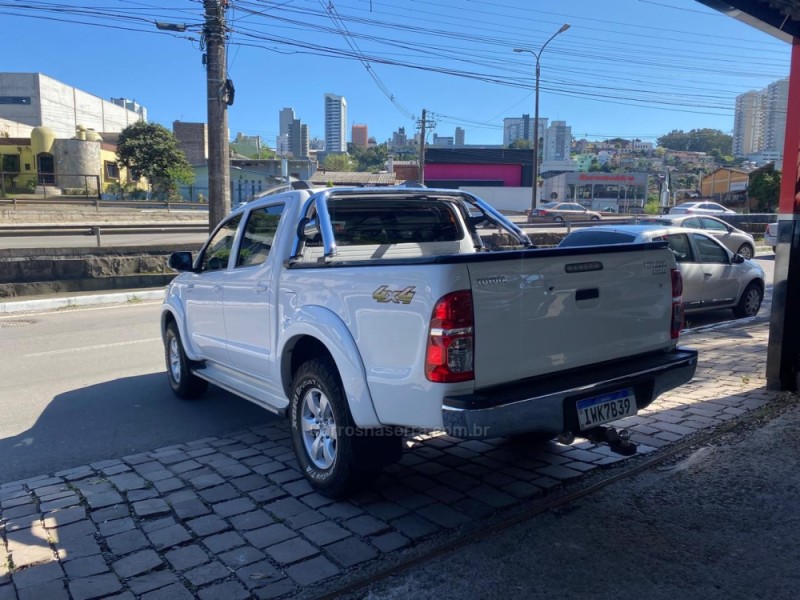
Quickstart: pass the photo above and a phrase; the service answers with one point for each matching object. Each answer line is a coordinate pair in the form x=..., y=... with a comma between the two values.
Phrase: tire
x=595, y=218
x=750, y=302
x=183, y=382
x=558, y=219
x=335, y=457
x=746, y=250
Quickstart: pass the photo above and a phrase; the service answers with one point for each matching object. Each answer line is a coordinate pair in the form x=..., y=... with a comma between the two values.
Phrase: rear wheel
x=746, y=250
x=333, y=454
x=750, y=302
x=183, y=382
x=558, y=219
x=595, y=218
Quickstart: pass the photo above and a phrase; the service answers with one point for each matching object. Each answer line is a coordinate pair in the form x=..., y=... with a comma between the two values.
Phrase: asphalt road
x=82, y=385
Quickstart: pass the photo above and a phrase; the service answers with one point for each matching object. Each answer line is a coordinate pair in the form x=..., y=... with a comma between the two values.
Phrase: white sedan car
x=713, y=276
x=701, y=208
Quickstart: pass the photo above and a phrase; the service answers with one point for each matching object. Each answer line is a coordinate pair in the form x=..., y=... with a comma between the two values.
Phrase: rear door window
x=708, y=250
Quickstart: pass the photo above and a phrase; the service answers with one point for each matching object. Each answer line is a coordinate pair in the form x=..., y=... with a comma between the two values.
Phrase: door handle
x=190, y=287
x=217, y=289
x=708, y=275
x=261, y=288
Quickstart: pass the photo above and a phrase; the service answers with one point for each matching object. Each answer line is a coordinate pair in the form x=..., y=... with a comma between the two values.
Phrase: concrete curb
x=43, y=304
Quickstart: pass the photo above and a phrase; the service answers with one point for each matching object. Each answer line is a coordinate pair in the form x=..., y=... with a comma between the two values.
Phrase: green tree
x=697, y=140
x=151, y=150
x=765, y=188
x=369, y=159
x=521, y=144
x=338, y=162
x=265, y=153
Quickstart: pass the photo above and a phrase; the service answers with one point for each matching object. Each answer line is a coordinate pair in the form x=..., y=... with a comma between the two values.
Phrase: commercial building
x=298, y=139
x=359, y=136
x=36, y=100
x=335, y=123
x=285, y=117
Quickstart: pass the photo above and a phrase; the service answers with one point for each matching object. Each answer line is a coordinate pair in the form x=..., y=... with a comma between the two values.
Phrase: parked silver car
x=771, y=235
x=735, y=240
x=700, y=208
x=713, y=276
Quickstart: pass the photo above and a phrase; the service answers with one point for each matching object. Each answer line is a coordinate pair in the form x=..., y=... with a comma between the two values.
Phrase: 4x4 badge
x=384, y=294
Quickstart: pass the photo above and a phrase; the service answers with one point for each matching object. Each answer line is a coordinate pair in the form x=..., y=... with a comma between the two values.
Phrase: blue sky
x=625, y=68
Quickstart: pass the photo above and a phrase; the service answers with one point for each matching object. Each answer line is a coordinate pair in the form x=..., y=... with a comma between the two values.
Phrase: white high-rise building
x=516, y=128
x=776, y=101
x=748, y=130
x=759, y=123
x=557, y=141
x=335, y=123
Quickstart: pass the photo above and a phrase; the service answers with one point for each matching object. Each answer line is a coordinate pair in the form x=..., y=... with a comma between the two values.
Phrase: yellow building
x=723, y=181
x=79, y=165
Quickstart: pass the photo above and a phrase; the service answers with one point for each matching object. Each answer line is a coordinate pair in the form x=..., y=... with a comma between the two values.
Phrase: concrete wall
x=27, y=272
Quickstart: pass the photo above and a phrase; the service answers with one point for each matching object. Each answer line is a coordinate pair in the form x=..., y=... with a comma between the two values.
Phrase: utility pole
x=219, y=96
x=422, y=149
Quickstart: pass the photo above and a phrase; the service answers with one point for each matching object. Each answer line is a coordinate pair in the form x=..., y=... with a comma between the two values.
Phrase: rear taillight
x=677, y=304
x=450, y=352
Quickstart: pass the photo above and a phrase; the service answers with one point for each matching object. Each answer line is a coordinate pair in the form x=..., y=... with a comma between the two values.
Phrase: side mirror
x=738, y=259
x=181, y=261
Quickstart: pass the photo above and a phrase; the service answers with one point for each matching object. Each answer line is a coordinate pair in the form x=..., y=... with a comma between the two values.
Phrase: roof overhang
x=778, y=18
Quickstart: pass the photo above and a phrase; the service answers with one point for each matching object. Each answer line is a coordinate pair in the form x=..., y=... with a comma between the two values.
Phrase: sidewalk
x=233, y=518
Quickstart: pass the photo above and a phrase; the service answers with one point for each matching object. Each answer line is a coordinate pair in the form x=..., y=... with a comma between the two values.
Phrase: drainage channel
x=360, y=584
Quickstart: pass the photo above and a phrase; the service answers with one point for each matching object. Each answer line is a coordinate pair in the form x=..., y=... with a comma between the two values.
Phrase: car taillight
x=677, y=304
x=450, y=353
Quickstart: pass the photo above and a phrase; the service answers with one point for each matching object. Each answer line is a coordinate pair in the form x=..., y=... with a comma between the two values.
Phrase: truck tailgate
x=541, y=311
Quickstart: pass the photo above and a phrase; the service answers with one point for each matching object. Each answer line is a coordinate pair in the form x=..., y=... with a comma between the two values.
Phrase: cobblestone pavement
x=232, y=517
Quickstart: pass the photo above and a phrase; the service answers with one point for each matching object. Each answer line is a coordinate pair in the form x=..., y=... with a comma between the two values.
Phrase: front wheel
x=750, y=302
x=183, y=382
x=558, y=219
x=595, y=218
x=746, y=250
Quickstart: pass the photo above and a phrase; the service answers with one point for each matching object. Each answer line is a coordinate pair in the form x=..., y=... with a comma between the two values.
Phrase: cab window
x=258, y=235
x=713, y=225
x=218, y=249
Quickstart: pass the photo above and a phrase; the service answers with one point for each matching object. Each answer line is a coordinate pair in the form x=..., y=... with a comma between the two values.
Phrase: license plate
x=606, y=408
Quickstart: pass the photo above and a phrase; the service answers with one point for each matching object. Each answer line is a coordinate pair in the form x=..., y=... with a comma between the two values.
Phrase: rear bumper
x=544, y=404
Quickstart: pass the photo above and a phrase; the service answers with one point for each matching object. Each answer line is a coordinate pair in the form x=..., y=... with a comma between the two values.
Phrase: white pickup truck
x=369, y=314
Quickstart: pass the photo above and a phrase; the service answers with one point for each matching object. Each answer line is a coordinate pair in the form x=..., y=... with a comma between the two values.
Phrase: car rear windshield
x=376, y=221
x=596, y=238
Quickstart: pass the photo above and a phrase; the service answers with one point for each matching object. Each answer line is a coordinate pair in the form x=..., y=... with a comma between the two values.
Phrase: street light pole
x=535, y=181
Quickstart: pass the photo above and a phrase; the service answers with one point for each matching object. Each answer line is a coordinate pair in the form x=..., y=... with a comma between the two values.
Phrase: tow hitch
x=618, y=441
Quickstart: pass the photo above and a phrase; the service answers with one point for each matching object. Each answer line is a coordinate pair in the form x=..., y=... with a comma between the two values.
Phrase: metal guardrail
x=98, y=230
x=98, y=204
